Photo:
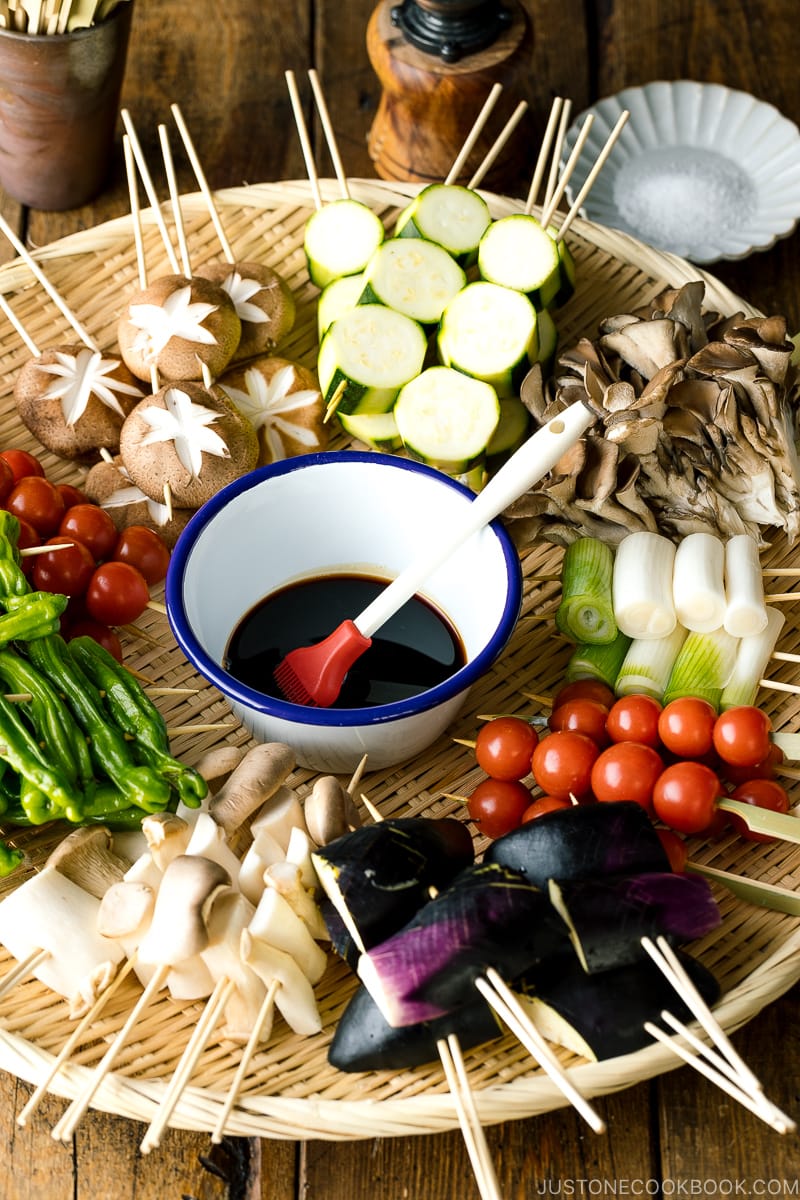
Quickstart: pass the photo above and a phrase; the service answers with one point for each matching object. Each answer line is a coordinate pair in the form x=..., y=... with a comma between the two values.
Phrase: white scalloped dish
x=699, y=170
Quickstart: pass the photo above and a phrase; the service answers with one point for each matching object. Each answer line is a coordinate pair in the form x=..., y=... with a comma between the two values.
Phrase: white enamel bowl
x=326, y=514
x=700, y=170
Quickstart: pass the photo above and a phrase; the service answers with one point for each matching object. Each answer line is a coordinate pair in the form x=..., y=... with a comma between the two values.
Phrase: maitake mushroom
x=698, y=418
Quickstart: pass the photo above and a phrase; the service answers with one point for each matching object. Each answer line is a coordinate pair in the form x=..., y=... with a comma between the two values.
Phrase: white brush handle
x=524, y=468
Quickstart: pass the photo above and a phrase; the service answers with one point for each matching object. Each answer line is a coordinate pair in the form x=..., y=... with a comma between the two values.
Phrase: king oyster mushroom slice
x=178, y=930
x=168, y=835
x=218, y=764
x=229, y=916
x=252, y=783
x=287, y=879
x=86, y=856
x=263, y=851
x=49, y=912
x=294, y=997
x=275, y=922
x=209, y=840
x=125, y=912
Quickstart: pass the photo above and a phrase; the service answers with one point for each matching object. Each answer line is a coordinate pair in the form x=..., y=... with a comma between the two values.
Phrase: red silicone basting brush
x=313, y=675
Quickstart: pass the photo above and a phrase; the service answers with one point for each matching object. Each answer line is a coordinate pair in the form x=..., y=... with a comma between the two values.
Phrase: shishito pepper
x=136, y=715
x=34, y=615
x=109, y=750
x=46, y=793
x=12, y=578
x=50, y=717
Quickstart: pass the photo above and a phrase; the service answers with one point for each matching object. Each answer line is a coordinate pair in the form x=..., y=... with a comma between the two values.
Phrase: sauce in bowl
x=413, y=651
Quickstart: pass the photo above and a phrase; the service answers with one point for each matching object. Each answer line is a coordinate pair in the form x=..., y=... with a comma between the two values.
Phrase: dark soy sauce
x=414, y=650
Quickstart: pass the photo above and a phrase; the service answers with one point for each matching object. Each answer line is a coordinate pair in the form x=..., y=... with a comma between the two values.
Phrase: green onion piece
x=752, y=660
x=648, y=665
x=586, y=611
x=593, y=661
x=703, y=667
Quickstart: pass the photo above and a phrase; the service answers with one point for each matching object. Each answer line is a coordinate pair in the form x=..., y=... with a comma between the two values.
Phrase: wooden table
x=224, y=65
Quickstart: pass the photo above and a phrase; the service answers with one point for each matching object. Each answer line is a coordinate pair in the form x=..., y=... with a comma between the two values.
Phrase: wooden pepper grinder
x=437, y=61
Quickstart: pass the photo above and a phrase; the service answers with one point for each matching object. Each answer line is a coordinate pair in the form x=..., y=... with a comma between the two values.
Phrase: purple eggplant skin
x=608, y=918
x=608, y=1010
x=490, y=916
x=581, y=842
x=365, y=1041
x=383, y=872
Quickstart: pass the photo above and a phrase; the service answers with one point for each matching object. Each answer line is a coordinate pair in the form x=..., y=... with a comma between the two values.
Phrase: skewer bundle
x=54, y=16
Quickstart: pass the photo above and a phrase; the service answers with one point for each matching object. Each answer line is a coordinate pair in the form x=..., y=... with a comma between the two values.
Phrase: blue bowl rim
x=241, y=694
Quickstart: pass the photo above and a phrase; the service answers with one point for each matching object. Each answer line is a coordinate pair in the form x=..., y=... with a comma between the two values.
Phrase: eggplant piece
x=607, y=918
x=490, y=916
x=601, y=1016
x=365, y=1041
x=580, y=842
x=377, y=876
x=341, y=940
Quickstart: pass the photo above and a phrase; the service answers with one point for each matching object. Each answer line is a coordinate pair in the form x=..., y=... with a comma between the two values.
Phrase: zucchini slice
x=490, y=332
x=517, y=252
x=414, y=277
x=378, y=430
x=511, y=430
x=446, y=419
x=370, y=352
x=453, y=216
x=340, y=238
x=548, y=341
x=339, y=297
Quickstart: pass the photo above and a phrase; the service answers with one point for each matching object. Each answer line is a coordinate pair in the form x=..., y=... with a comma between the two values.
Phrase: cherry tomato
x=104, y=635
x=762, y=770
x=586, y=689
x=627, y=771
x=583, y=716
x=762, y=793
x=37, y=500
x=742, y=735
x=504, y=747
x=496, y=806
x=91, y=524
x=27, y=538
x=685, y=796
x=67, y=571
x=117, y=593
x=145, y=550
x=22, y=463
x=7, y=480
x=562, y=763
x=634, y=719
x=686, y=726
x=71, y=495
x=674, y=848
x=544, y=804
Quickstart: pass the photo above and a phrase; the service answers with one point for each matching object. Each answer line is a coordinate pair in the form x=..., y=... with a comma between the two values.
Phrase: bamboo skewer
x=65, y=1127
x=327, y=129
x=305, y=144
x=471, y=1128
x=474, y=133
x=264, y=1014
x=502, y=138
x=569, y=167
x=187, y=1063
x=544, y=151
x=72, y=1041
x=563, y=123
x=52, y=292
x=19, y=327
x=22, y=970
x=749, y=1088
x=202, y=183
x=496, y=992
x=592, y=175
x=175, y=201
x=150, y=190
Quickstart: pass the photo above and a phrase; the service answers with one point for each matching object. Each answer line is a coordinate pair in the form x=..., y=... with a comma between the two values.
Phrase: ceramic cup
x=59, y=101
x=332, y=513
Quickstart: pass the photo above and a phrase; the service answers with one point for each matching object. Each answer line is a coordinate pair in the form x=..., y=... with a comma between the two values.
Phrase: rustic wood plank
x=706, y=1136
x=531, y=1157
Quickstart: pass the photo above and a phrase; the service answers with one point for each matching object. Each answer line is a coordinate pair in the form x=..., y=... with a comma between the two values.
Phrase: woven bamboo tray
x=289, y=1090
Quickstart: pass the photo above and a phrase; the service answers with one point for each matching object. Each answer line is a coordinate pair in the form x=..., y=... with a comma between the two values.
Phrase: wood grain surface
x=224, y=65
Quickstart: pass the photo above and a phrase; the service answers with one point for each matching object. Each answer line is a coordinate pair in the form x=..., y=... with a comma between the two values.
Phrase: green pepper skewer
x=50, y=716
x=49, y=793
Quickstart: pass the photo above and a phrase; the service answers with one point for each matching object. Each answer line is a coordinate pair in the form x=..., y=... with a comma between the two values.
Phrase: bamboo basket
x=290, y=1091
